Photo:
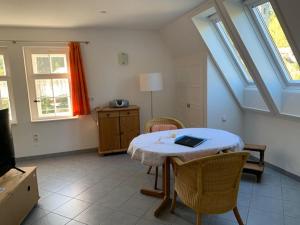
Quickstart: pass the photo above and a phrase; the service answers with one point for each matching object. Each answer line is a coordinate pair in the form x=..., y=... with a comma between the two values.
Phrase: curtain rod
x=27, y=41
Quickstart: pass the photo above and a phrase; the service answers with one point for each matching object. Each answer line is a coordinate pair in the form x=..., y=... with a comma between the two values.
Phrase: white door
x=190, y=91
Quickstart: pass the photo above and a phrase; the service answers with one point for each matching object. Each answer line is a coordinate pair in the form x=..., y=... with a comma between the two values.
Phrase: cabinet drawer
x=129, y=113
x=108, y=114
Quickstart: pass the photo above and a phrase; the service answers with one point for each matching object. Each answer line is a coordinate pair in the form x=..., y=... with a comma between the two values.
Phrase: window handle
x=36, y=100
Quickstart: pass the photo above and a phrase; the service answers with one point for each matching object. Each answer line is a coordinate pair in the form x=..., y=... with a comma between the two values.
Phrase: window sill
x=13, y=122
x=54, y=119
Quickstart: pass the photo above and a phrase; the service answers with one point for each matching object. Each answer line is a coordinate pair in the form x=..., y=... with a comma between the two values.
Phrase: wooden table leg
x=165, y=193
x=153, y=193
x=166, y=187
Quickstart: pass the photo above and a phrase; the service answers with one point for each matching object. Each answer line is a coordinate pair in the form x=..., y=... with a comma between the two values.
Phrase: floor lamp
x=151, y=82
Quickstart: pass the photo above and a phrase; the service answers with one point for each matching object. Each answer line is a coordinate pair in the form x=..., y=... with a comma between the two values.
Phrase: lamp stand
x=151, y=105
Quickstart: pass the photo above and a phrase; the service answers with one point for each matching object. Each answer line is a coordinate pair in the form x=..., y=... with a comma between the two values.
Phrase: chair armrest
x=177, y=161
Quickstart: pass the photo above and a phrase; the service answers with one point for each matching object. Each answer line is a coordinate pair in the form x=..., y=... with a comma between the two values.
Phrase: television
x=7, y=154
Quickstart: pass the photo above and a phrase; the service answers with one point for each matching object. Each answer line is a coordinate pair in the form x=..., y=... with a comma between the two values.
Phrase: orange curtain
x=80, y=97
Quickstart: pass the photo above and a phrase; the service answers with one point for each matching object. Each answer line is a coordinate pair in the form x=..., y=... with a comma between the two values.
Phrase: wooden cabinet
x=117, y=127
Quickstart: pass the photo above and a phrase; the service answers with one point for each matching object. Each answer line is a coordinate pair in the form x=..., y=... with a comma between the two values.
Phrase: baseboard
x=284, y=172
x=278, y=169
x=58, y=154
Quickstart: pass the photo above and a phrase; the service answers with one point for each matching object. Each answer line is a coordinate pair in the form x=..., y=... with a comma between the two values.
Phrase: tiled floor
x=87, y=189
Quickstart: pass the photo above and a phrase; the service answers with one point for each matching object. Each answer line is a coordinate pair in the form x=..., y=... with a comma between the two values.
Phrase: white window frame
x=271, y=47
x=234, y=56
x=8, y=79
x=31, y=77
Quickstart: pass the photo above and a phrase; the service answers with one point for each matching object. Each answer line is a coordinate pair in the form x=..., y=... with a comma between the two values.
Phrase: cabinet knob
x=107, y=114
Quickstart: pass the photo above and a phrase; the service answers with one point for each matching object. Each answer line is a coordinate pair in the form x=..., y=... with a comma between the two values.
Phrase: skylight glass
x=270, y=23
x=229, y=43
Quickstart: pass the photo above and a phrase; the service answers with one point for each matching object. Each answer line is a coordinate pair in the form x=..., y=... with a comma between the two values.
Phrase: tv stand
x=18, y=195
x=16, y=168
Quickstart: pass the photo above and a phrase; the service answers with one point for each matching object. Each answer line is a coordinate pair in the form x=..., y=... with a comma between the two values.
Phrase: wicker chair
x=210, y=184
x=160, y=121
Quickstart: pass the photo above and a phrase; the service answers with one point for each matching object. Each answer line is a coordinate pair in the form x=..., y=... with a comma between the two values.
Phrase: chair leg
x=198, y=219
x=149, y=170
x=173, y=206
x=156, y=177
x=258, y=178
x=237, y=216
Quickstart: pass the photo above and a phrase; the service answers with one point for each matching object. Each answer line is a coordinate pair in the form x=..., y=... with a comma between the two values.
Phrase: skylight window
x=277, y=40
x=233, y=51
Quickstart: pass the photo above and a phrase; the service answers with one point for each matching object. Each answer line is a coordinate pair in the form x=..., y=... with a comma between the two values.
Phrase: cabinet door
x=130, y=126
x=109, y=131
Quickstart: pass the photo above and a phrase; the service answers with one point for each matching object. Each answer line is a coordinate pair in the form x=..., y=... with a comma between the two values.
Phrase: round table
x=152, y=148
x=155, y=149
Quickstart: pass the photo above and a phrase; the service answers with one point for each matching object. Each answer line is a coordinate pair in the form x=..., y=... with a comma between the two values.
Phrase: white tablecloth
x=152, y=148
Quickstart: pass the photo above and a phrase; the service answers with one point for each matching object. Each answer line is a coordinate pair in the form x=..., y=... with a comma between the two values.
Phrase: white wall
x=105, y=78
x=223, y=111
x=188, y=53
x=281, y=135
x=212, y=98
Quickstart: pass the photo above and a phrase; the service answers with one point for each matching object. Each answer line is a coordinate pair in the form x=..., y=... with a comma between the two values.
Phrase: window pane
x=234, y=51
x=4, y=97
x=53, y=97
x=272, y=24
x=61, y=87
x=4, y=90
x=43, y=88
x=46, y=107
x=4, y=103
x=41, y=63
x=2, y=66
x=62, y=105
x=58, y=63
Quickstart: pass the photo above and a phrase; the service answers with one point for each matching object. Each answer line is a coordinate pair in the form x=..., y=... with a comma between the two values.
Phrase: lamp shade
x=151, y=82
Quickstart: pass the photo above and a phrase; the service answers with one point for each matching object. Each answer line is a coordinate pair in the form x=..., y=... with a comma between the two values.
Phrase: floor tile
x=53, y=201
x=52, y=184
x=257, y=217
x=291, y=220
x=148, y=222
x=72, y=208
x=244, y=199
x=35, y=214
x=262, y=190
x=52, y=219
x=94, y=215
x=230, y=215
x=292, y=209
x=137, y=205
x=267, y=204
x=119, y=218
x=290, y=182
x=291, y=194
x=117, y=197
x=73, y=189
x=73, y=222
x=222, y=221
